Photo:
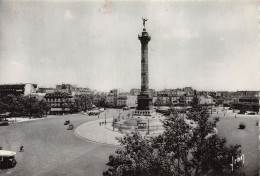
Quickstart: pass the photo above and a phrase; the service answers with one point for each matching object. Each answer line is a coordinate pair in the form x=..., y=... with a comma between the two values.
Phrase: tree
x=63, y=104
x=183, y=149
x=182, y=100
x=86, y=102
x=195, y=101
x=44, y=108
x=159, y=102
x=141, y=156
x=169, y=101
x=209, y=154
x=23, y=106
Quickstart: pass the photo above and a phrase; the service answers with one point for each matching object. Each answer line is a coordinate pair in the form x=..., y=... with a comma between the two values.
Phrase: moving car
x=71, y=126
x=66, y=122
x=7, y=159
x=94, y=112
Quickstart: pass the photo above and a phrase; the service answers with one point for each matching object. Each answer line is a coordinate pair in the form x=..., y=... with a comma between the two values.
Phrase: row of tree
x=23, y=106
x=184, y=149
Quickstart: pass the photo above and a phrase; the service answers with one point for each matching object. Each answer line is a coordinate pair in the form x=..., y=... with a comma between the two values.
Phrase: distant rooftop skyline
x=204, y=45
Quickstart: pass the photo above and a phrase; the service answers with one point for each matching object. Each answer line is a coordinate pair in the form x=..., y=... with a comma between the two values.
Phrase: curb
x=93, y=141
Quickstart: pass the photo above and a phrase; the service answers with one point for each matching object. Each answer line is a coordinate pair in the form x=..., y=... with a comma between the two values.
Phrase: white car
x=7, y=158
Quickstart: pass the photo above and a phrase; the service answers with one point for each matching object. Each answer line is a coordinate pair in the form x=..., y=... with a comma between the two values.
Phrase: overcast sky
x=206, y=45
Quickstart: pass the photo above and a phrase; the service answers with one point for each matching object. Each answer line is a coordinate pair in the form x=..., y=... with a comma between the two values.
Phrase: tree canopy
x=23, y=106
x=189, y=146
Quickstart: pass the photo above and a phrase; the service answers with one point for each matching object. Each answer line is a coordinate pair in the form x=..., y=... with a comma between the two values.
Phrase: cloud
x=68, y=15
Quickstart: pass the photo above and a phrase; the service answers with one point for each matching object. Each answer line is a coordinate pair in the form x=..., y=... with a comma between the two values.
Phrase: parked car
x=250, y=113
x=4, y=123
x=66, y=122
x=71, y=126
x=84, y=113
x=126, y=108
x=7, y=159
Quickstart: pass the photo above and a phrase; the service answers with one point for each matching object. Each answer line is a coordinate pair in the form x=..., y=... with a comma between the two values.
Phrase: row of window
x=55, y=99
x=142, y=112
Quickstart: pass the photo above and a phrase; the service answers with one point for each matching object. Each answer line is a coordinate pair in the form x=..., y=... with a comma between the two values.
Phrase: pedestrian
x=21, y=148
x=235, y=116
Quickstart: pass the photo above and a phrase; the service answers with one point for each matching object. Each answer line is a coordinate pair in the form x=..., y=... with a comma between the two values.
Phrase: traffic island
x=96, y=131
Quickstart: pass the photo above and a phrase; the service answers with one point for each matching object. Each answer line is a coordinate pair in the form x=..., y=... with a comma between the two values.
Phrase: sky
x=205, y=45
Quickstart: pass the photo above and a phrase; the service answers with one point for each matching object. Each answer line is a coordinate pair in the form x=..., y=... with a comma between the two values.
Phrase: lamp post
x=105, y=118
x=211, y=107
x=30, y=106
x=113, y=124
x=148, y=127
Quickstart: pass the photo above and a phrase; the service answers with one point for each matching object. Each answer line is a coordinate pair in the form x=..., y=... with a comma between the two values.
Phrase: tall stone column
x=144, y=39
x=144, y=99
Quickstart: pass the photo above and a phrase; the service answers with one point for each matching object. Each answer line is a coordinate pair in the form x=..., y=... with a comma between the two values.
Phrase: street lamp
x=105, y=118
x=211, y=107
x=30, y=106
x=148, y=127
x=113, y=124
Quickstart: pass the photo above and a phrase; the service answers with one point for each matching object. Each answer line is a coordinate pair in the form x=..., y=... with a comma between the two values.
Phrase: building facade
x=18, y=89
x=126, y=100
x=111, y=99
x=206, y=100
x=174, y=97
x=60, y=102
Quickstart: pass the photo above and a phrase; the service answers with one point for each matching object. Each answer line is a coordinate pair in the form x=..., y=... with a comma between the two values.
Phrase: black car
x=70, y=127
x=126, y=108
x=4, y=123
x=66, y=122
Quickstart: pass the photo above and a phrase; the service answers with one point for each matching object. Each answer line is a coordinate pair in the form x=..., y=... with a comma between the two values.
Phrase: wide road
x=51, y=149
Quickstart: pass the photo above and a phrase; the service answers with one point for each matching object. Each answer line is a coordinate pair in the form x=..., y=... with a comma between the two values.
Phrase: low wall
x=127, y=127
